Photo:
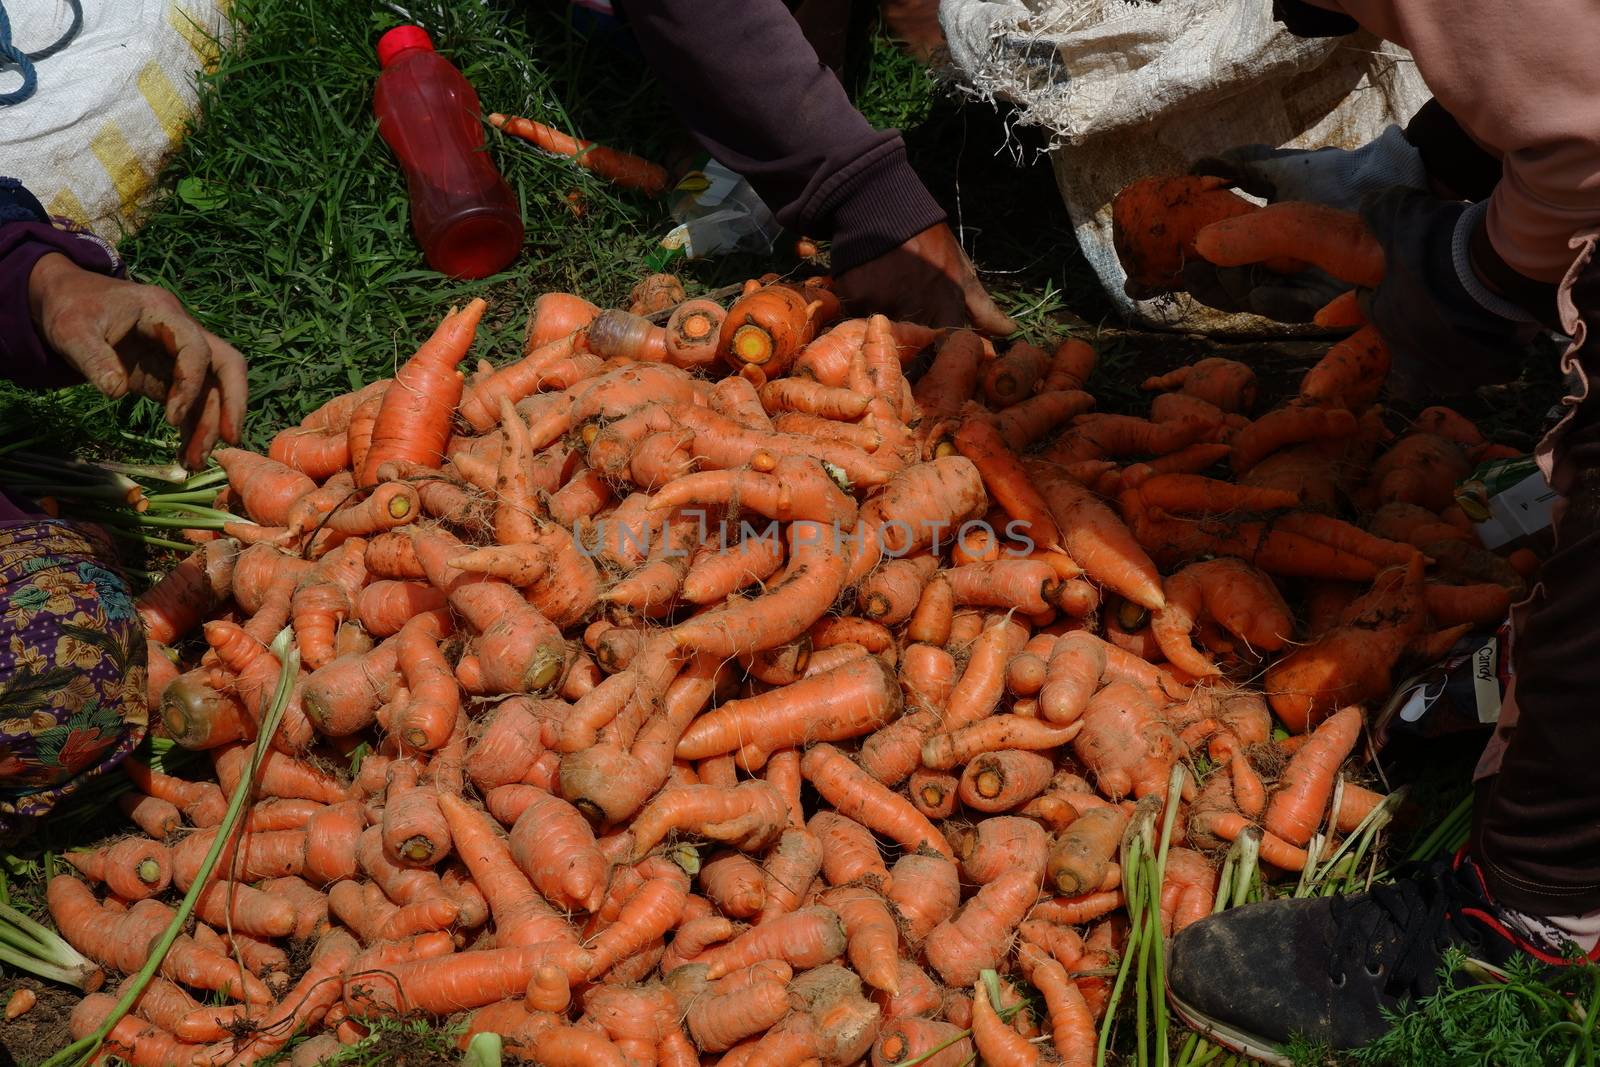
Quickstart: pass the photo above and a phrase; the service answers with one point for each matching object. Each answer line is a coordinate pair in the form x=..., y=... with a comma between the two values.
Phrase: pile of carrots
x=759, y=687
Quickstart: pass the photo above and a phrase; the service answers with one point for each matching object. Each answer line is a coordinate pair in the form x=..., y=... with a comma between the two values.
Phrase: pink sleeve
x=1522, y=79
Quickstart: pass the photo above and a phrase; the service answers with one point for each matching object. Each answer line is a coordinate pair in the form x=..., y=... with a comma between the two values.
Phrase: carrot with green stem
x=413, y=421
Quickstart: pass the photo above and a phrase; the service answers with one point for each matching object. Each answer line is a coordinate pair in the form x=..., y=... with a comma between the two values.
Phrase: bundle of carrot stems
x=765, y=687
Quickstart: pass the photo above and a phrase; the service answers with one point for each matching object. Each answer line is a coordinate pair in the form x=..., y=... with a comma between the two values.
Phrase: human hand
x=129, y=338
x=930, y=280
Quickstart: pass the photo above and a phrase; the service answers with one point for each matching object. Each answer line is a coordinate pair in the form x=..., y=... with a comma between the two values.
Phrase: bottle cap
x=402, y=39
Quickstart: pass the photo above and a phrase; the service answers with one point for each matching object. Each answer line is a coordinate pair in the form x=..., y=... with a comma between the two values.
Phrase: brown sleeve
x=742, y=77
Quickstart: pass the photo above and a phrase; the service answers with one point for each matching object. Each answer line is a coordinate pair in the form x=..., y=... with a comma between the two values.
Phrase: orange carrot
x=1071, y=1021
x=805, y=938
x=748, y=816
x=1335, y=241
x=849, y=852
x=318, y=454
x=1007, y=482
x=1015, y=375
x=521, y=916
x=267, y=488
x=1228, y=384
x=621, y=168
x=930, y=623
x=154, y=816
x=1096, y=539
x=202, y=803
x=555, y=848
x=982, y=684
x=1297, y=806
x=1351, y=374
x=187, y=593
x=1005, y=780
x=911, y=1039
x=1155, y=221
x=133, y=868
x=132, y=1040
x=1080, y=857
x=976, y=938
x=413, y=422
x=858, y=796
x=766, y=329
x=853, y=699
x=693, y=332
x=556, y=315
x=1285, y=426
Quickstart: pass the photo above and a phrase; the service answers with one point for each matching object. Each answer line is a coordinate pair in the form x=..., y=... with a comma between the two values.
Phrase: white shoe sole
x=1233, y=1040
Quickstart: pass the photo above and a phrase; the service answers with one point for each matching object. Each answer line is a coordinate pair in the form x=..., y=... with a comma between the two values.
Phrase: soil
x=399, y=1048
x=42, y=1031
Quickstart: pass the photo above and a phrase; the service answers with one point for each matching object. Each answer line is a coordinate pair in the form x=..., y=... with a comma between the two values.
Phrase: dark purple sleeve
x=23, y=356
x=742, y=77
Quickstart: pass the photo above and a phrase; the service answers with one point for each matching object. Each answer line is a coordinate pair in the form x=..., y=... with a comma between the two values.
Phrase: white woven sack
x=110, y=107
x=1128, y=90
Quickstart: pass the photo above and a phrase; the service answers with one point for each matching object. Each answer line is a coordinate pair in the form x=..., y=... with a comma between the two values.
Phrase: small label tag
x=1486, y=681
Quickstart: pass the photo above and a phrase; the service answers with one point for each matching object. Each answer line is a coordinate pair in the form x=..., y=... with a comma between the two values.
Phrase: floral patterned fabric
x=72, y=666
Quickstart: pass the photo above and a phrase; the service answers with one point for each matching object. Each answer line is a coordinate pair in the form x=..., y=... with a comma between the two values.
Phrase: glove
x=1447, y=332
x=1333, y=176
x=1259, y=291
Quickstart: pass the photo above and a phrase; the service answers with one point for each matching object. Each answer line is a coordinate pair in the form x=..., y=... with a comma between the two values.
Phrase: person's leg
x=72, y=668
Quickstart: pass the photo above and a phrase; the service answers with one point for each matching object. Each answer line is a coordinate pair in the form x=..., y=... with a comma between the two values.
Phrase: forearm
x=26, y=237
x=742, y=77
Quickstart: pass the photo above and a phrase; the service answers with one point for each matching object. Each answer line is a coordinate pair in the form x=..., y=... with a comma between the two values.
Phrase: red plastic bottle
x=463, y=213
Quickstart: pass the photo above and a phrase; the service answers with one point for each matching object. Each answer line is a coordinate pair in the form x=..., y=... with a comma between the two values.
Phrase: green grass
x=284, y=224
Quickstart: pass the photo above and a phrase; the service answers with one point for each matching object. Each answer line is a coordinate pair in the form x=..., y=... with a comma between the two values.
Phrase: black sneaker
x=1326, y=968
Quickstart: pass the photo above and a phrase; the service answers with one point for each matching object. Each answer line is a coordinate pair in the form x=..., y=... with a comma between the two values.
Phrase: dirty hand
x=1336, y=177
x=129, y=338
x=1447, y=331
x=930, y=280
